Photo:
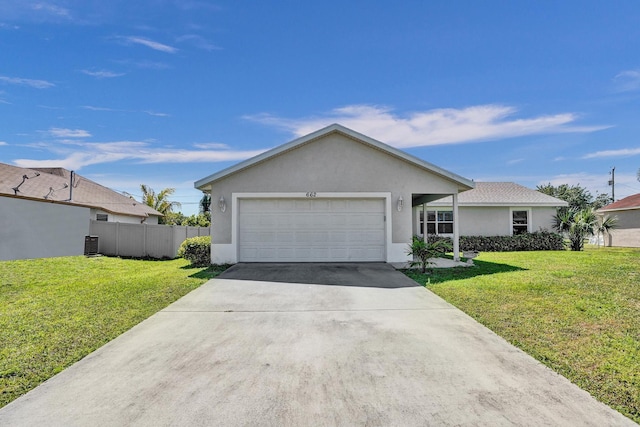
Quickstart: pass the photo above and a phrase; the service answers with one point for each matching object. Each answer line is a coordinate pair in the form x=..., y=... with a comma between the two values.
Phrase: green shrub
x=538, y=241
x=423, y=251
x=196, y=250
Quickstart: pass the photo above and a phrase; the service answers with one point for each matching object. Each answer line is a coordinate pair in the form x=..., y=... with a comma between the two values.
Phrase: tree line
x=160, y=202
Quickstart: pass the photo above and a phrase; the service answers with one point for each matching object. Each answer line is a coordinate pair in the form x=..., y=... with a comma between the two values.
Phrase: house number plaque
x=311, y=194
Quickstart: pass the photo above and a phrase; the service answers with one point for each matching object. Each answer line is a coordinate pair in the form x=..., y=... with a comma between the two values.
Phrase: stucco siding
x=627, y=219
x=542, y=219
x=331, y=164
x=127, y=219
x=32, y=229
x=484, y=221
x=627, y=234
x=496, y=220
x=627, y=238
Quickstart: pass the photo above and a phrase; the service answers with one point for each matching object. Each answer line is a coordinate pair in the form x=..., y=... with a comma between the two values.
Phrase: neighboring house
x=47, y=213
x=491, y=209
x=58, y=185
x=32, y=229
x=332, y=195
x=627, y=233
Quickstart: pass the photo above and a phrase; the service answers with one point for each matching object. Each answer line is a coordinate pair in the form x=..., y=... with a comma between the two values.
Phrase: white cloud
x=150, y=44
x=431, y=127
x=90, y=153
x=211, y=145
x=52, y=9
x=102, y=74
x=69, y=133
x=149, y=112
x=623, y=152
x=156, y=114
x=628, y=80
x=198, y=41
x=37, y=84
x=3, y=143
x=144, y=64
x=93, y=108
x=514, y=161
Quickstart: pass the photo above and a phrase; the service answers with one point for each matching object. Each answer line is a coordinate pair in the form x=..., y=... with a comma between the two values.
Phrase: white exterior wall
x=495, y=220
x=332, y=166
x=628, y=232
x=33, y=229
x=111, y=217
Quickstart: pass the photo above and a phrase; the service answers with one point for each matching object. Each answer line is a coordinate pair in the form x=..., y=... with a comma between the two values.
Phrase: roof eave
x=632, y=208
x=503, y=204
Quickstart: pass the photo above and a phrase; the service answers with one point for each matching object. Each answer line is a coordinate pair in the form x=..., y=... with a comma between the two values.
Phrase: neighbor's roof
x=85, y=192
x=631, y=202
x=502, y=194
x=463, y=183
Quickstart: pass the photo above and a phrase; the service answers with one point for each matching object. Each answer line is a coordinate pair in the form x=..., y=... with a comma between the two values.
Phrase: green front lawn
x=55, y=311
x=576, y=312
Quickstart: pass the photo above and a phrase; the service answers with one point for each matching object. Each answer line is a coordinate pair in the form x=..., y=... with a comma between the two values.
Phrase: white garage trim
x=233, y=249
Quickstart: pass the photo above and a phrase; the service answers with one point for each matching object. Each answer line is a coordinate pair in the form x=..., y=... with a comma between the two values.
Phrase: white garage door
x=311, y=230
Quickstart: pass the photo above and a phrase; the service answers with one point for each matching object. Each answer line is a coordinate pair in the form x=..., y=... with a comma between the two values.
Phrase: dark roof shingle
x=631, y=202
x=54, y=184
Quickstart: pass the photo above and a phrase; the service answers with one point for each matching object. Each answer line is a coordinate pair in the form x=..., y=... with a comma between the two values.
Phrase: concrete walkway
x=254, y=352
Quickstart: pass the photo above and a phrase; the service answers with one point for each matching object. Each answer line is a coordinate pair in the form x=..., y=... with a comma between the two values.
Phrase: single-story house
x=332, y=195
x=48, y=212
x=61, y=185
x=491, y=209
x=627, y=233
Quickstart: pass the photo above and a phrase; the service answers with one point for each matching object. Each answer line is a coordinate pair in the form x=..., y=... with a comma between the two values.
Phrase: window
x=102, y=217
x=445, y=222
x=438, y=222
x=520, y=222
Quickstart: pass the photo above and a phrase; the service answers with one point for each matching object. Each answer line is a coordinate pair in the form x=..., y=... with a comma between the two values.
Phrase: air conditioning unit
x=90, y=245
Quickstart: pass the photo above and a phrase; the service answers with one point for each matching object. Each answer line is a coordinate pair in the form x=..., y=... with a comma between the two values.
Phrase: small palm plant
x=579, y=224
x=604, y=227
x=423, y=251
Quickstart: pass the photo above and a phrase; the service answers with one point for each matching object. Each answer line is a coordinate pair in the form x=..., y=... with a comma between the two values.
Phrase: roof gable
x=502, y=194
x=53, y=185
x=463, y=183
x=628, y=203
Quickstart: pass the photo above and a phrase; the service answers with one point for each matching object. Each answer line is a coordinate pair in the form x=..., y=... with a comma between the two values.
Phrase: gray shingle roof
x=85, y=191
x=501, y=194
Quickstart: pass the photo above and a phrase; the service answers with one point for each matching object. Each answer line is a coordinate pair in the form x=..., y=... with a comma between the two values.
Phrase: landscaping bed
x=576, y=312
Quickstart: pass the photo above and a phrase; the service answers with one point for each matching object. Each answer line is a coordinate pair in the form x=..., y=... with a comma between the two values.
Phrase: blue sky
x=167, y=92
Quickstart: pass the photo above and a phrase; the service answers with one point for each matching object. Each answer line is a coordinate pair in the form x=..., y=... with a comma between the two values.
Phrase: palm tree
x=605, y=225
x=160, y=201
x=578, y=224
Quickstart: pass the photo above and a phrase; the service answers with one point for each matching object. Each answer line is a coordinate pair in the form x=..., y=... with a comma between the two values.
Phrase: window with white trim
x=438, y=222
x=519, y=222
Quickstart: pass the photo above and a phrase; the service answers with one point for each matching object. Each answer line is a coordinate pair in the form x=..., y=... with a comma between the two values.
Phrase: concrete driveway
x=359, y=346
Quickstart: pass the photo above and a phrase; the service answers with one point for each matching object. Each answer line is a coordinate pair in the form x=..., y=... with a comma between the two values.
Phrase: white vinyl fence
x=142, y=240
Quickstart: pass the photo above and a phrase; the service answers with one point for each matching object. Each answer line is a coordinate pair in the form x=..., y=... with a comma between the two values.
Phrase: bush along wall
x=538, y=241
x=196, y=250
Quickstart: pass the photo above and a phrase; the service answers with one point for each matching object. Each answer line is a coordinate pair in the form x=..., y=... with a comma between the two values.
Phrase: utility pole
x=612, y=183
